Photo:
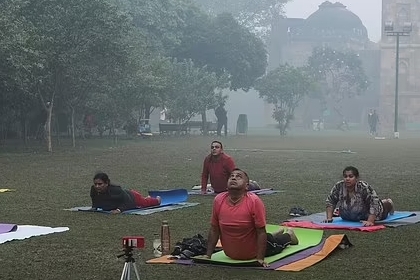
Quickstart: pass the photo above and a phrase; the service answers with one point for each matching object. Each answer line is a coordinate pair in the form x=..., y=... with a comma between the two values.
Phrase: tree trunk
x=114, y=133
x=204, y=128
x=2, y=133
x=73, y=133
x=48, y=127
x=25, y=131
x=282, y=128
x=82, y=128
x=147, y=111
x=23, y=126
x=57, y=130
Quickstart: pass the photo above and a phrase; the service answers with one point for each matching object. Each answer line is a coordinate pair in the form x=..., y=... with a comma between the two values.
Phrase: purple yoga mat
x=274, y=265
x=4, y=228
x=297, y=256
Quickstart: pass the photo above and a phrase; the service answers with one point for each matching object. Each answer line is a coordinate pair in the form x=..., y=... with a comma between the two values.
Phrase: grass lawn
x=304, y=167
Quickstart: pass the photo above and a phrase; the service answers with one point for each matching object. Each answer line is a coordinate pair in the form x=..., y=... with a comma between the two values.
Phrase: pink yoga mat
x=4, y=228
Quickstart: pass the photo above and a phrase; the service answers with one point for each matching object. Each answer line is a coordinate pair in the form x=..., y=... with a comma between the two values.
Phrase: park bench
x=173, y=128
x=211, y=127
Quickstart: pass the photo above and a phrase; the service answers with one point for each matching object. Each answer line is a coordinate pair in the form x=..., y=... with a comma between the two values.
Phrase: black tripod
x=130, y=264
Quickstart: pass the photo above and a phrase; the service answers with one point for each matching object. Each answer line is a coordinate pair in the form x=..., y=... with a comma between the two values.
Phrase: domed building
x=333, y=21
x=331, y=26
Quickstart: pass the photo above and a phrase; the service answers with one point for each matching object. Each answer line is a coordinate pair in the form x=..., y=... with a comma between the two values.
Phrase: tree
x=194, y=91
x=340, y=75
x=225, y=47
x=149, y=83
x=250, y=13
x=68, y=37
x=284, y=87
x=160, y=21
x=16, y=103
x=260, y=17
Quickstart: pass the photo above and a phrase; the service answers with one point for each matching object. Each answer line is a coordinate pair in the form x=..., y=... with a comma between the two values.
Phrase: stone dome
x=335, y=20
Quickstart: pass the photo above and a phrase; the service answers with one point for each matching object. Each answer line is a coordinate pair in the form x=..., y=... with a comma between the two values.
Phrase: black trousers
x=220, y=124
x=275, y=245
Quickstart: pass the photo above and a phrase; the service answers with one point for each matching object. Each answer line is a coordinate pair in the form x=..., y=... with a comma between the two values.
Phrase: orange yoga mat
x=161, y=260
x=331, y=243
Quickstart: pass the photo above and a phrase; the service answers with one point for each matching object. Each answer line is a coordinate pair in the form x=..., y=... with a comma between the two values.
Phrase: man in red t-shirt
x=239, y=220
x=218, y=166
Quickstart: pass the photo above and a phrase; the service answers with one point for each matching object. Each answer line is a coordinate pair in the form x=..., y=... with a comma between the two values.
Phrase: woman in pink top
x=239, y=220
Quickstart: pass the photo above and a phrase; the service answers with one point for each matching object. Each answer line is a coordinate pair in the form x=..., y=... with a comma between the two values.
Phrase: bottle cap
x=165, y=222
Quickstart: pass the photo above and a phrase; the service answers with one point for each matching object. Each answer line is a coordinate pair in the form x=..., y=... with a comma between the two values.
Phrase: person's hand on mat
x=367, y=223
x=328, y=221
x=262, y=263
x=116, y=211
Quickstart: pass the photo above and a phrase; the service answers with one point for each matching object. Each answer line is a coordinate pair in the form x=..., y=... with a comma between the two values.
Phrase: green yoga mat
x=307, y=238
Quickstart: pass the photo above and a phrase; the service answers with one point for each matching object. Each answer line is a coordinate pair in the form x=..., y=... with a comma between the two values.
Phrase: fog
x=369, y=11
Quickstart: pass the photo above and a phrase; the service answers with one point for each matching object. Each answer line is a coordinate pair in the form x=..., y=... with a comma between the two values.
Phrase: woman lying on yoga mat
x=239, y=220
x=356, y=200
x=113, y=198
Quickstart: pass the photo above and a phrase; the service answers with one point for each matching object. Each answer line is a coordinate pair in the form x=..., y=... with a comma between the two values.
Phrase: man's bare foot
x=280, y=232
x=391, y=212
x=293, y=237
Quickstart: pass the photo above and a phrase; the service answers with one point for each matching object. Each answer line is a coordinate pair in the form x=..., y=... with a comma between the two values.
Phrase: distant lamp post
x=390, y=31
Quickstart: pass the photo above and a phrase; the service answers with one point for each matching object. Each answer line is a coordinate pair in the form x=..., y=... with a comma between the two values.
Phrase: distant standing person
x=218, y=166
x=375, y=121
x=370, y=115
x=221, y=115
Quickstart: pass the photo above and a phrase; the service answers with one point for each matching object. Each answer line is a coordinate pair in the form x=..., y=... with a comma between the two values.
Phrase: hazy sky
x=369, y=11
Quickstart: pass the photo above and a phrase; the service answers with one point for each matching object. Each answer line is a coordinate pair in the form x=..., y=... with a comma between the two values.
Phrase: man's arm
x=261, y=244
x=204, y=176
x=260, y=223
x=213, y=237
x=214, y=232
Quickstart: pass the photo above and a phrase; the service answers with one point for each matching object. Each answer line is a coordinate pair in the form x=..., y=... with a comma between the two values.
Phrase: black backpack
x=190, y=247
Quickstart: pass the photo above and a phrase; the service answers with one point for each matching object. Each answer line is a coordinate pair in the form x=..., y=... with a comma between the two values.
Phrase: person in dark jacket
x=113, y=198
x=221, y=115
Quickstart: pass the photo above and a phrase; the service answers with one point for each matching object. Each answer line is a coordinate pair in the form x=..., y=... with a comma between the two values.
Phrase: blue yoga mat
x=396, y=216
x=171, y=199
x=139, y=211
x=171, y=196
